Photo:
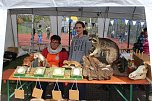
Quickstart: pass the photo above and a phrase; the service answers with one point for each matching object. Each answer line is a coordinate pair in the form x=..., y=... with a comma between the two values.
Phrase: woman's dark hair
x=85, y=32
x=80, y=22
x=56, y=37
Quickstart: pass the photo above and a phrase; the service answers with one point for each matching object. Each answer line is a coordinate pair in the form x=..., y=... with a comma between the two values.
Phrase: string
x=76, y=84
x=38, y=82
x=18, y=80
x=20, y=83
x=17, y=84
x=56, y=84
x=75, y=81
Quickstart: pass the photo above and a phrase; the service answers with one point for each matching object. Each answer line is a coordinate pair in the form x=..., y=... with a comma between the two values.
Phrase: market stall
x=79, y=8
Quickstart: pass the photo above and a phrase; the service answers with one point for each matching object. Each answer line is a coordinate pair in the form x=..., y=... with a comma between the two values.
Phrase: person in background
x=48, y=32
x=126, y=36
x=146, y=43
x=121, y=37
x=139, y=45
x=39, y=32
x=55, y=55
x=73, y=32
x=79, y=47
x=112, y=34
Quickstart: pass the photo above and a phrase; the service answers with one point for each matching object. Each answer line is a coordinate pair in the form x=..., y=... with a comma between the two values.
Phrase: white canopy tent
x=103, y=13
x=129, y=9
x=132, y=12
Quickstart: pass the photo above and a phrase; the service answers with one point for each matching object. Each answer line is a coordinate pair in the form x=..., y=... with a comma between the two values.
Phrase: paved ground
x=25, y=39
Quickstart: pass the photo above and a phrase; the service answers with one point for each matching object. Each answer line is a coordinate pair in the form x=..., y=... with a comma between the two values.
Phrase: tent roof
x=135, y=13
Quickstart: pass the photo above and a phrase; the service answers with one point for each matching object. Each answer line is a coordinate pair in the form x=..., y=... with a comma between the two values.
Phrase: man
x=55, y=55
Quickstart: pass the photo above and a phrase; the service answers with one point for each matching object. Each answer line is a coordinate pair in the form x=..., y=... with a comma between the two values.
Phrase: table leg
x=110, y=97
x=8, y=92
x=131, y=92
x=120, y=92
x=147, y=92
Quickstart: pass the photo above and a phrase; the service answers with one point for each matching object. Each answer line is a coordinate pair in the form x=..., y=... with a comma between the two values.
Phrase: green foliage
x=37, y=18
x=23, y=29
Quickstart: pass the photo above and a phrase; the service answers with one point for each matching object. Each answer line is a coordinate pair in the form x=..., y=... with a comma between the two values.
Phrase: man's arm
x=63, y=56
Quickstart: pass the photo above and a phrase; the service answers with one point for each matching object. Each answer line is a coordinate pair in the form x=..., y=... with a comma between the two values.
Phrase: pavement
x=25, y=40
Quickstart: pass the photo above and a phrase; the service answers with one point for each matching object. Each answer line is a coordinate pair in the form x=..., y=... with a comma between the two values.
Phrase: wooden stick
x=136, y=51
x=139, y=53
x=142, y=53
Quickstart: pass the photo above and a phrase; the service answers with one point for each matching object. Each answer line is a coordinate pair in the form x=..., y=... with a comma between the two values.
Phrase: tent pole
x=57, y=21
x=137, y=31
x=12, y=31
x=117, y=28
x=57, y=25
x=106, y=15
x=32, y=35
x=104, y=27
x=17, y=27
x=69, y=32
x=128, y=35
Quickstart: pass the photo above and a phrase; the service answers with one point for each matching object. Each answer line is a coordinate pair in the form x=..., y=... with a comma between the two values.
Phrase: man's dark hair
x=56, y=37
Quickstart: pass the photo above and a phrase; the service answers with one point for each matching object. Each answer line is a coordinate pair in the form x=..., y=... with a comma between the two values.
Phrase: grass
x=24, y=29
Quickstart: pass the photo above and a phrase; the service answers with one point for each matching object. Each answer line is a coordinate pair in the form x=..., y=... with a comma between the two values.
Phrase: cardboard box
x=13, y=49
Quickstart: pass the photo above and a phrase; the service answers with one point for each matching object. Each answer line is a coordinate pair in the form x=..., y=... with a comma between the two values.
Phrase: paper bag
x=19, y=94
x=37, y=93
x=56, y=95
x=74, y=94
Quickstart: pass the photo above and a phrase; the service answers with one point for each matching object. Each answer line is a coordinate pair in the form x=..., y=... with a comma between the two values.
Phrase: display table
x=8, y=76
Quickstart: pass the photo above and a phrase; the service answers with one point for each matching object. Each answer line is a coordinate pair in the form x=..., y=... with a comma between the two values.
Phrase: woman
x=80, y=44
x=79, y=47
